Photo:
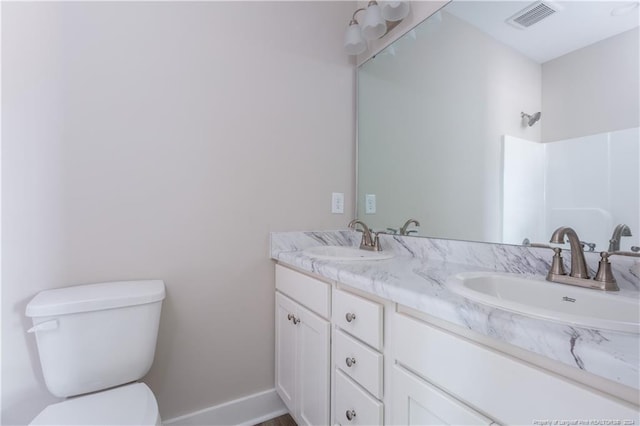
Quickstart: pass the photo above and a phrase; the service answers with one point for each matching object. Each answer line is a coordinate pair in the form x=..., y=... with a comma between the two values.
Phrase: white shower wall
x=590, y=183
x=523, y=190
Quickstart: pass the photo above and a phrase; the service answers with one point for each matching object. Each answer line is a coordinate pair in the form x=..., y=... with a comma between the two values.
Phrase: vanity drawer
x=358, y=361
x=308, y=291
x=353, y=405
x=360, y=317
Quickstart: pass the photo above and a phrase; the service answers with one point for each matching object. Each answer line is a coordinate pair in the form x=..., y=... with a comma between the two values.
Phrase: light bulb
x=373, y=25
x=354, y=44
x=394, y=10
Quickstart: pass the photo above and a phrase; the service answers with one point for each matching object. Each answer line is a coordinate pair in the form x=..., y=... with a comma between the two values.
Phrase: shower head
x=531, y=119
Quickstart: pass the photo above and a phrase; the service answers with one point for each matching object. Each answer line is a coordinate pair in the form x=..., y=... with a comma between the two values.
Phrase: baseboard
x=245, y=411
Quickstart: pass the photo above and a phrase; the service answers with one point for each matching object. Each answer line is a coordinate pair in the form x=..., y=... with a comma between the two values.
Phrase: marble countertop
x=416, y=277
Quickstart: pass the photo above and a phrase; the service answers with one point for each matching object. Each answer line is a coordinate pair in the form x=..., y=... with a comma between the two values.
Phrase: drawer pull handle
x=293, y=318
x=350, y=317
x=350, y=361
x=350, y=414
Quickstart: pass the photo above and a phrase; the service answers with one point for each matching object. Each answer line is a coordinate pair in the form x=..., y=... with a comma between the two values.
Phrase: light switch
x=370, y=203
x=337, y=202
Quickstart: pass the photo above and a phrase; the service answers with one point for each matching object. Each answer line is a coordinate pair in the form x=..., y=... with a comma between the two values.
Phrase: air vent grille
x=532, y=14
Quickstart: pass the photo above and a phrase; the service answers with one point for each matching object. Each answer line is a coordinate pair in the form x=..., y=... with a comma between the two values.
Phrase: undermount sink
x=345, y=253
x=536, y=297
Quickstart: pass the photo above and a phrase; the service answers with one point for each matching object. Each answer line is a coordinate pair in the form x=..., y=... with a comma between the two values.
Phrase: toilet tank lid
x=95, y=297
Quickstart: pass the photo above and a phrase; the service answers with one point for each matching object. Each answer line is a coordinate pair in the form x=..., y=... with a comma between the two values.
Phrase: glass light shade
x=373, y=25
x=354, y=44
x=394, y=10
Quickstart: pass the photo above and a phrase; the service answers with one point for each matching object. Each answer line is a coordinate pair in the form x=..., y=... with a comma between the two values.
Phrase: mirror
x=483, y=129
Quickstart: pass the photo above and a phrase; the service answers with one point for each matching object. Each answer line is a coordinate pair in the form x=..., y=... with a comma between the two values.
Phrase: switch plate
x=370, y=204
x=337, y=202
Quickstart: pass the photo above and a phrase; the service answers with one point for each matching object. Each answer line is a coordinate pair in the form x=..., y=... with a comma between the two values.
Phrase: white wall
x=165, y=140
x=592, y=90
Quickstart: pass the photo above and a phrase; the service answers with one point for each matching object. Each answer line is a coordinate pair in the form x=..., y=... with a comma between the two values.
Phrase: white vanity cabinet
x=344, y=358
x=303, y=346
x=491, y=385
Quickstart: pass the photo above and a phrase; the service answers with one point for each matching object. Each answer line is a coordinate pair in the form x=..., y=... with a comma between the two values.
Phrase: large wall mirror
x=484, y=126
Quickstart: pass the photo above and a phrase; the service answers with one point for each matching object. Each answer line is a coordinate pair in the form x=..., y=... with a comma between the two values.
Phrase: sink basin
x=345, y=253
x=536, y=297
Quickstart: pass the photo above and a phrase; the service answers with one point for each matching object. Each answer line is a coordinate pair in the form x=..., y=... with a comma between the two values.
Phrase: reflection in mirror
x=485, y=131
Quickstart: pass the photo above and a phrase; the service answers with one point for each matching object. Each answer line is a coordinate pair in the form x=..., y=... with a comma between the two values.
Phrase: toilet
x=94, y=342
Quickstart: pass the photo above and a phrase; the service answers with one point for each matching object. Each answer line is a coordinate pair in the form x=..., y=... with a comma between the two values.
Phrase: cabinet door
x=313, y=368
x=286, y=352
x=416, y=402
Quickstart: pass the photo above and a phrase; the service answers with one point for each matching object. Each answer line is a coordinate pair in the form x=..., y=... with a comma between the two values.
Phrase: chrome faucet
x=403, y=229
x=578, y=263
x=620, y=231
x=370, y=240
x=579, y=275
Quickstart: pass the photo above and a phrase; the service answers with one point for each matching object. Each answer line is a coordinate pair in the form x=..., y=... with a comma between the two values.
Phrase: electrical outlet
x=370, y=204
x=337, y=202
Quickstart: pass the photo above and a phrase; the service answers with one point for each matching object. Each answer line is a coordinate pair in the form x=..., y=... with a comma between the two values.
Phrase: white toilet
x=98, y=338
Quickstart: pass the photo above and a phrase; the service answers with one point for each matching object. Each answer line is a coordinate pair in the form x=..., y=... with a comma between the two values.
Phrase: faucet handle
x=376, y=240
x=591, y=246
x=557, y=264
x=605, y=273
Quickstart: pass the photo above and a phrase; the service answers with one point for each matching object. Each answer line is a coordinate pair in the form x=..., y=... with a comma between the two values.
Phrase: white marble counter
x=416, y=277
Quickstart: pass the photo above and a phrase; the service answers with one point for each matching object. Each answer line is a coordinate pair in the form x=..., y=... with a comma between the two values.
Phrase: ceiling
x=576, y=24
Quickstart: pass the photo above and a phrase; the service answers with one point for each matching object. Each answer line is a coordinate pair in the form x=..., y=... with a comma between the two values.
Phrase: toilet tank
x=96, y=336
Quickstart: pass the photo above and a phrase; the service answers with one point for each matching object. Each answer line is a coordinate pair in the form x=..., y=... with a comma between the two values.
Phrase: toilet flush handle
x=44, y=326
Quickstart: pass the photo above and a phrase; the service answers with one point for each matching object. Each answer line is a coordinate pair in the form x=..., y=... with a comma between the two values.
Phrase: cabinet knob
x=296, y=321
x=350, y=317
x=350, y=414
x=290, y=317
x=350, y=361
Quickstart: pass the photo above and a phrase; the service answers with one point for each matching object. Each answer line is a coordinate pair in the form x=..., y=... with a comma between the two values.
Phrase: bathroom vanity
x=385, y=342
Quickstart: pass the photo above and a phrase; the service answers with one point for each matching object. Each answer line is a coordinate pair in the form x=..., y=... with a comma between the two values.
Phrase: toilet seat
x=132, y=404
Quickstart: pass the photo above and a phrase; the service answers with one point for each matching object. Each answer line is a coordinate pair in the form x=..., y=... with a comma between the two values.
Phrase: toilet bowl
x=94, y=342
x=132, y=404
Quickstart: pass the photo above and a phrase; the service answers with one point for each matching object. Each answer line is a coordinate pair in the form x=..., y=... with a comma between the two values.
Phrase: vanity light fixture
x=378, y=20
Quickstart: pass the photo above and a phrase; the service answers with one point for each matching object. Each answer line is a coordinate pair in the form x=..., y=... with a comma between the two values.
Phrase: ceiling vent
x=533, y=14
